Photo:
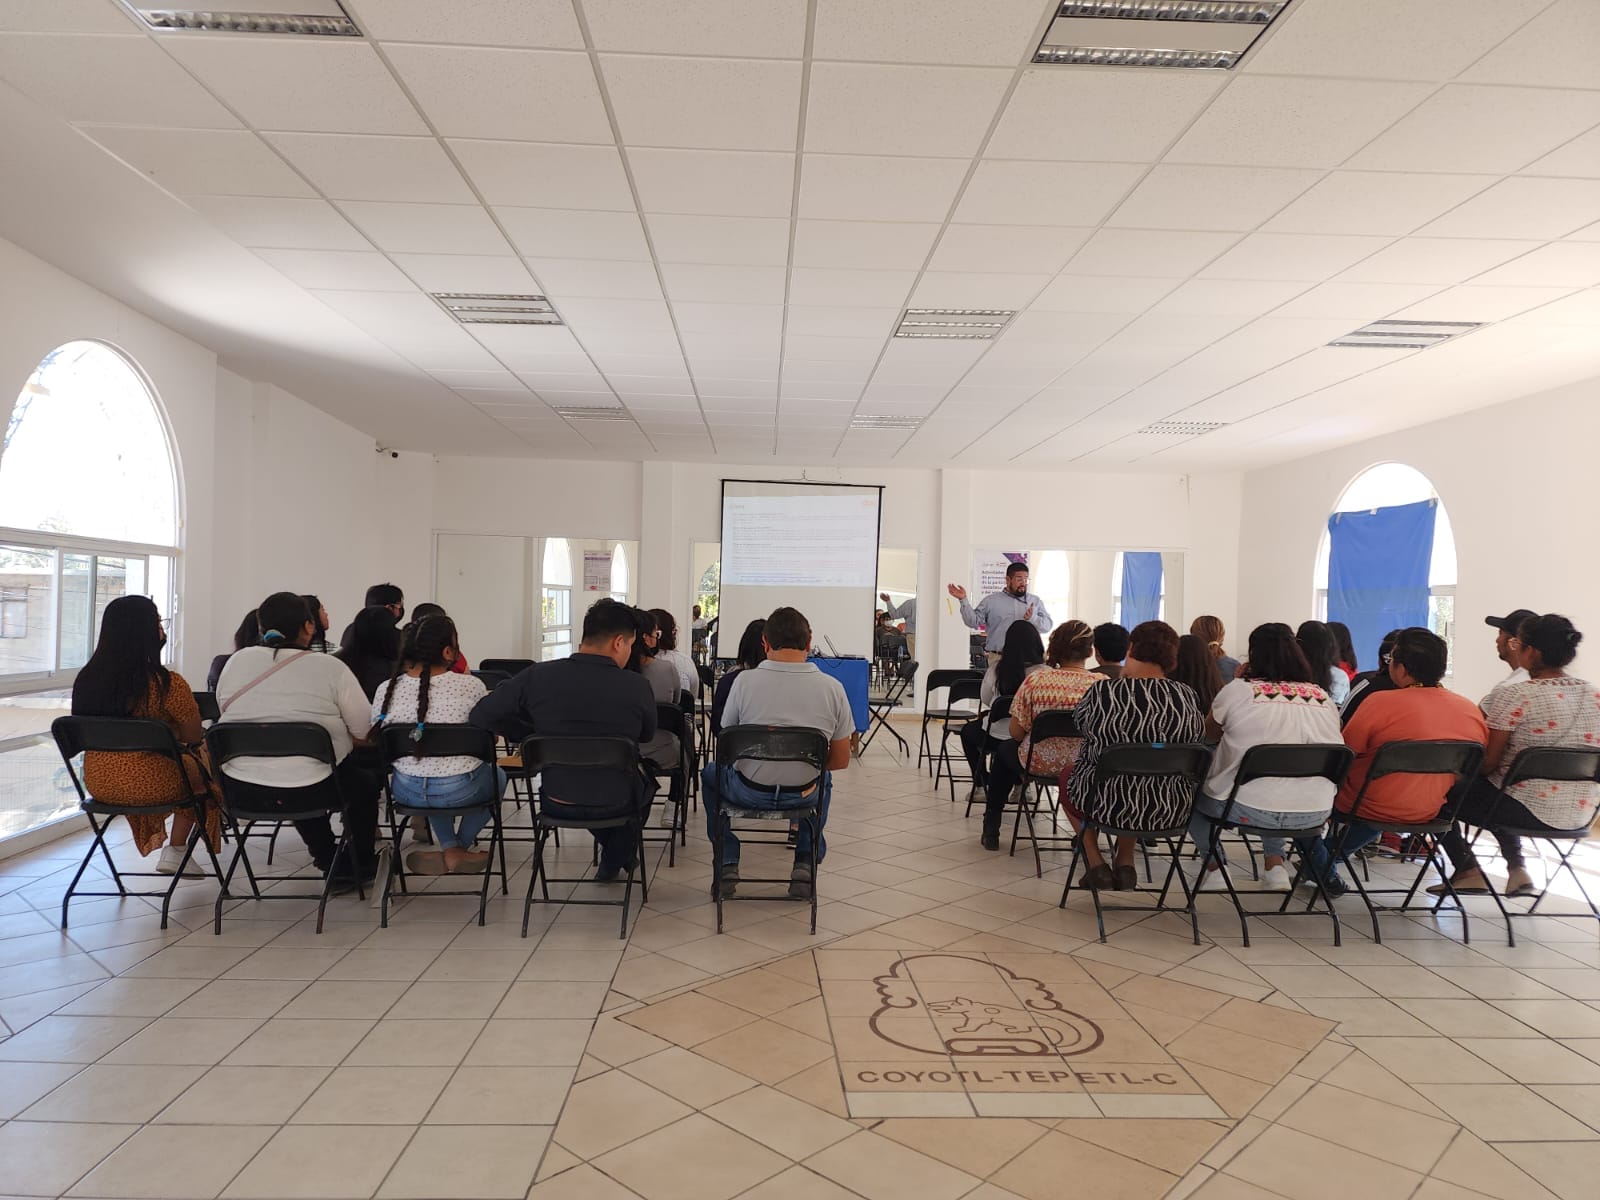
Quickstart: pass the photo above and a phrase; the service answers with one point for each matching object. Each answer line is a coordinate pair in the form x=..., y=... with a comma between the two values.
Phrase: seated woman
x=1345, y=656
x=1021, y=655
x=663, y=749
x=319, y=617
x=428, y=609
x=248, y=634
x=1274, y=702
x=124, y=678
x=1197, y=668
x=1322, y=652
x=1140, y=705
x=1061, y=685
x=667, y=649
x=1211, y=631
x=1417, y=710
x=372, y=651
x=752, y=653
x=1549, y=708
x=425, y=690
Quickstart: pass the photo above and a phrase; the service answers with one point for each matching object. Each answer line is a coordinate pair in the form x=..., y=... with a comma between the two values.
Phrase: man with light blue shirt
x=996, y=612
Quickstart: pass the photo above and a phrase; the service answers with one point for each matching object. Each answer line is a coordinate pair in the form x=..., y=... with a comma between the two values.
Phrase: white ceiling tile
x=350, y=270
x=1379, y=39
x=202, y=161
x=1229, y=297
x=127, y=80
x=426, y=228
x=873, y=245
x=76, y=16
x=713, y=392
x=399, y=315
x=1154, y=253
x=870, y=289
x=994, y=33
x=550, y=381
x=326, y=85
x=1580, y=157
x=1359, y=302
x=1135, y=114
x=837, y=321
x=497, y=382
x=1475, y=303
x=1563, y=264
x=598, y=278
x=368, y=167
x=987, y=372
x=526, y=347
x=578, y=398
x=1465, y=127
x=1293, y=256
x=713, y=182
x=1582, y=309
x=1017, y=249
x=1102, y=294
x=1435, y=260
x=723, y=285
x=585, y=314
x=1059, y=328
x=537, y=174
x=1373, y=202
x=816, y=394
x=708, y=364
x=1293, y=122
x=642, y=371
x=848, y=188
x=567, y=233
x=941, y=112
x=724, y=241
x=1219, y=198
x=548, y=23
x=704, y=103
x=617, y=339
x=1523, y=207
x=519, y=95
x=799, y=348
x=966, y=289
x=1557, y=48
x=1044, y=193
x=1189, y=331
x=771, y=29
x=482, y=273
x=1589, y=233
x=259, y=221
x=752, y=320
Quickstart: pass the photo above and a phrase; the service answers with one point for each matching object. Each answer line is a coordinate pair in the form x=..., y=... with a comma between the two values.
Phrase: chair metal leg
x=539, y=836
x=815, y=824
x=718, y=839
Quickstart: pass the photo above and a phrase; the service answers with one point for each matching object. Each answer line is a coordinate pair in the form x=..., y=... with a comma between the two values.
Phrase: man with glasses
x=996, y=612
x=379, y=595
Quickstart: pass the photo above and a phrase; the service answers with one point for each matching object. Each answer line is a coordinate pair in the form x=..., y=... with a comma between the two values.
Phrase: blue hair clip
x=271, y=635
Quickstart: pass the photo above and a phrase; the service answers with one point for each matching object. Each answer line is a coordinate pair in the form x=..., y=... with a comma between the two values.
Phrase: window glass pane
x=557, y=562
x=77, y=630
x=619, y=573
x=1051, y=581
x=115, y=577
x=34, y=787
x=27, y=610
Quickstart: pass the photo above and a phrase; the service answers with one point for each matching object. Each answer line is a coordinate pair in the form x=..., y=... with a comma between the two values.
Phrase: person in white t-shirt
x=667, y=651
x=282, y=680
x=425, y=689
x=1274, y=701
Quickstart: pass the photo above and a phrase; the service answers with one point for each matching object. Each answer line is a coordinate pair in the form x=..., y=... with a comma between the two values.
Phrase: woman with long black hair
x=1322, y=652
x=1021, y=654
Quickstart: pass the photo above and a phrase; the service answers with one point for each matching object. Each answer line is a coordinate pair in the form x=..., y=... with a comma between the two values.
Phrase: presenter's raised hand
x=1028, y=616
x=884, y=596
x=959, y=592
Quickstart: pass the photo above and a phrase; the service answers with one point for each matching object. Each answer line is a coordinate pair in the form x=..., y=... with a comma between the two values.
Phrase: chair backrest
x=510, y=666
x=206, y=702
x=601, y=753
x=969, y=687
x=708, y=676
x=491, y=679
x=228, y=740
x=942, y=679
x=400, y=740
x=773, y=743
x=906, y=671
x=999, y=711
x=112, y=735
x=1454, y=758
x=670, y=718
x=1557, y=764
x=1188, y=759
x=1330, y=761
x=1053, y=723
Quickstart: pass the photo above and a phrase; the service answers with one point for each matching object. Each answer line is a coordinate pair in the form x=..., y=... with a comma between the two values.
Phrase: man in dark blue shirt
x=586, y=695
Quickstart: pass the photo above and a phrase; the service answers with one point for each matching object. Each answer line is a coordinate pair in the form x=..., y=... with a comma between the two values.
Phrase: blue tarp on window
x=1141, y=587
x=1378, y=572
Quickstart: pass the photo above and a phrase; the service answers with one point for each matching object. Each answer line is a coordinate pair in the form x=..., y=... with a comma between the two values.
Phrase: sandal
x=1100, y=879
x=1127, y=879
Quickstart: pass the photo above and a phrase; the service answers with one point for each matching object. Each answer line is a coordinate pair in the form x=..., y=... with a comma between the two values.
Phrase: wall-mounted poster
x=597, y=570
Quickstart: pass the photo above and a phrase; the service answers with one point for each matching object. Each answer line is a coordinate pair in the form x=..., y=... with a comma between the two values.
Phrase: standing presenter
x=996, y=612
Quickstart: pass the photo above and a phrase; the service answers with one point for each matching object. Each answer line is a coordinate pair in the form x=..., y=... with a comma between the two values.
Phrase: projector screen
x=812, y=546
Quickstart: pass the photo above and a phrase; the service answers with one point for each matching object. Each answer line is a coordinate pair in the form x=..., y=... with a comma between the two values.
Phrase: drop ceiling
x=731, y=206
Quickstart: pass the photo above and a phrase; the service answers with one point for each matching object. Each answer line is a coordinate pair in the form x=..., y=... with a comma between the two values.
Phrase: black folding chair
x=961, y=692
x=128, y=735
x=1552, y=764
x=940, y=681
x=1278, y=761
x=999, y=714
x=206, y=702
x=879, y=707
x=506, y=666
x=1142, y=760
x=1460, y=760
x=769, y=743
x=670, y=718
x=229, y=740
x=401, y=742
x=491, y=679
x=1052, y=723
x=591, y=757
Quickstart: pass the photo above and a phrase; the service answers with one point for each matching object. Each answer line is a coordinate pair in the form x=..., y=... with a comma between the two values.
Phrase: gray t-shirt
x=792, y=694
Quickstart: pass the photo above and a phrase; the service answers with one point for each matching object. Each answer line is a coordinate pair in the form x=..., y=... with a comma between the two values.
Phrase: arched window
x=555, y=624
x=619, y=573
x=1118, y=567
x=1391, y=485
x=1051, y=580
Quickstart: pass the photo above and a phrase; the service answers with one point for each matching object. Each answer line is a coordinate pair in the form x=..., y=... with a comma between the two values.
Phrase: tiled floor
x=949, y=1032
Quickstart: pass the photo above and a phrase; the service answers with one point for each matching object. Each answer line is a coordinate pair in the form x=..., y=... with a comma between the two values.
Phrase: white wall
x=1518, y=482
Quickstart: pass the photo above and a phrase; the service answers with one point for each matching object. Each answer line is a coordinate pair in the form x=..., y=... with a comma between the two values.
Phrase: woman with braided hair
x=424, y=689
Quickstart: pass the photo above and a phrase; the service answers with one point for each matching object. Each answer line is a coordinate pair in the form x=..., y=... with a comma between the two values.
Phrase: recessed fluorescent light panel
x=472, y=308
x=1406, y=335
x=314, y=18
x=884, y=421
x=586, y=413
x=1181, y=428
x=1156, y=33
x=972, y=324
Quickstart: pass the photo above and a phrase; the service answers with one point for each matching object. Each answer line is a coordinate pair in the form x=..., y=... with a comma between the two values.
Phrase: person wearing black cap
x=1505, y=636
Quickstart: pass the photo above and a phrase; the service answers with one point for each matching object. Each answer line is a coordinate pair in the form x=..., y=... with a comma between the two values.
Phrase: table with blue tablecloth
x=853, y=673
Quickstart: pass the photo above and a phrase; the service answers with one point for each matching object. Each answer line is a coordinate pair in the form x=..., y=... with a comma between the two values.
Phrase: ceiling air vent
x=1156, y=33
x=1406, y=335
x=979, y=324
x=314, y=18
x=489, y=309
x=1181, y=428
x=590, y=413
x=884, y=421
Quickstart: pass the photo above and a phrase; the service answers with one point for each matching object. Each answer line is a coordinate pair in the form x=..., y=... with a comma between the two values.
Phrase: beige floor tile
x=1364, y=1076
x=517, y=1043
x=1180, y=999
x=428, y=999
x=244, y=1096
x=797, y=1183
x=374, y=1096
x=495, y=1162
x=1569, y=1170
x=114, y=1093
x=1264, y=1061
x=1472, y=1163
x=1581, y=1100
x=1037, y=1173
x=1429, y=1060
x=719, y=953
x=462, y=966
x=300, y=1043
x=1172, y=1146
x=582, y=1182
x=260, y=998
x=762, y=991
x=1535, y=1060
x=372, y=963
x=553, y=999
x=1358, y=1017
x=818, y=1086
x=766, y=1051
x=1403, y=982
x=809, y=1017
x=977, y=1146
x=1556, y=1018
x=174, y=1162
x=1409, y=1139
x=22, y=1083
x=653, y=975
x=611, y=1109
x=1234, y=1094
x=70, y=1039
x=303, y=1162
x=572, y=966
x=1468, y=1018
x=300, y=962
x=1505, y=1112
x=132, y=998
x=693, y=1159
x=689, y=1019
x=44, y=1158
x=1298, y=1030
x=344, y=998
x=781, y=1122
x=436, y=1043
x=1226, y=1187
x=518, y=1095
x=880, y=1169
x=685, y=1076
x=1298, y=981
x=1308, y=1168
x=617, y=1043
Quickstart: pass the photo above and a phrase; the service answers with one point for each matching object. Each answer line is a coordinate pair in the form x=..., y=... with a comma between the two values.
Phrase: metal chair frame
x=510, y=666
x=939, y=681
x=879, y=708
x=670, y=718
x=960, y=691
x=1052, y=723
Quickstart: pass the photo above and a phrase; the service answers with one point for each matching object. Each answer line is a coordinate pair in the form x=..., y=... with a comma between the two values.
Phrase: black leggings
x=974, y=736
x=359, y=787
x=1005, y=772
x=1484, y=798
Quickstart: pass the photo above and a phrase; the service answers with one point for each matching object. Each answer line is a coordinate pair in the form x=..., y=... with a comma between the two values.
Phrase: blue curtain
x=1141, y=587
x=1378, y=572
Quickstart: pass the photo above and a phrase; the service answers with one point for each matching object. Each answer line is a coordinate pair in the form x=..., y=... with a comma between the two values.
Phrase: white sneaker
x=172, y=857
x=668, y=818
x=1275, y=879
x=1210, y=881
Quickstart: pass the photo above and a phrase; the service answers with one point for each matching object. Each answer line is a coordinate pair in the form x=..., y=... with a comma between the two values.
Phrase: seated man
x=586, y=695
x=1110, y=649
x=785, y=690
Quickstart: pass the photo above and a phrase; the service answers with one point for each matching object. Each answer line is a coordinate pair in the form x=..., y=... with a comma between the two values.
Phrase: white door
x=483, y=582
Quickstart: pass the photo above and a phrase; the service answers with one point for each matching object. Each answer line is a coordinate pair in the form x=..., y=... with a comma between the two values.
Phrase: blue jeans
x=486, y=783
x=1320, y=858
x=1207, y=808
x=719, y=783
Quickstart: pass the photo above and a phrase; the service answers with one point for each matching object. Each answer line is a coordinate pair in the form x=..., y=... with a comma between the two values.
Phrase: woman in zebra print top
x=1143, y=705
